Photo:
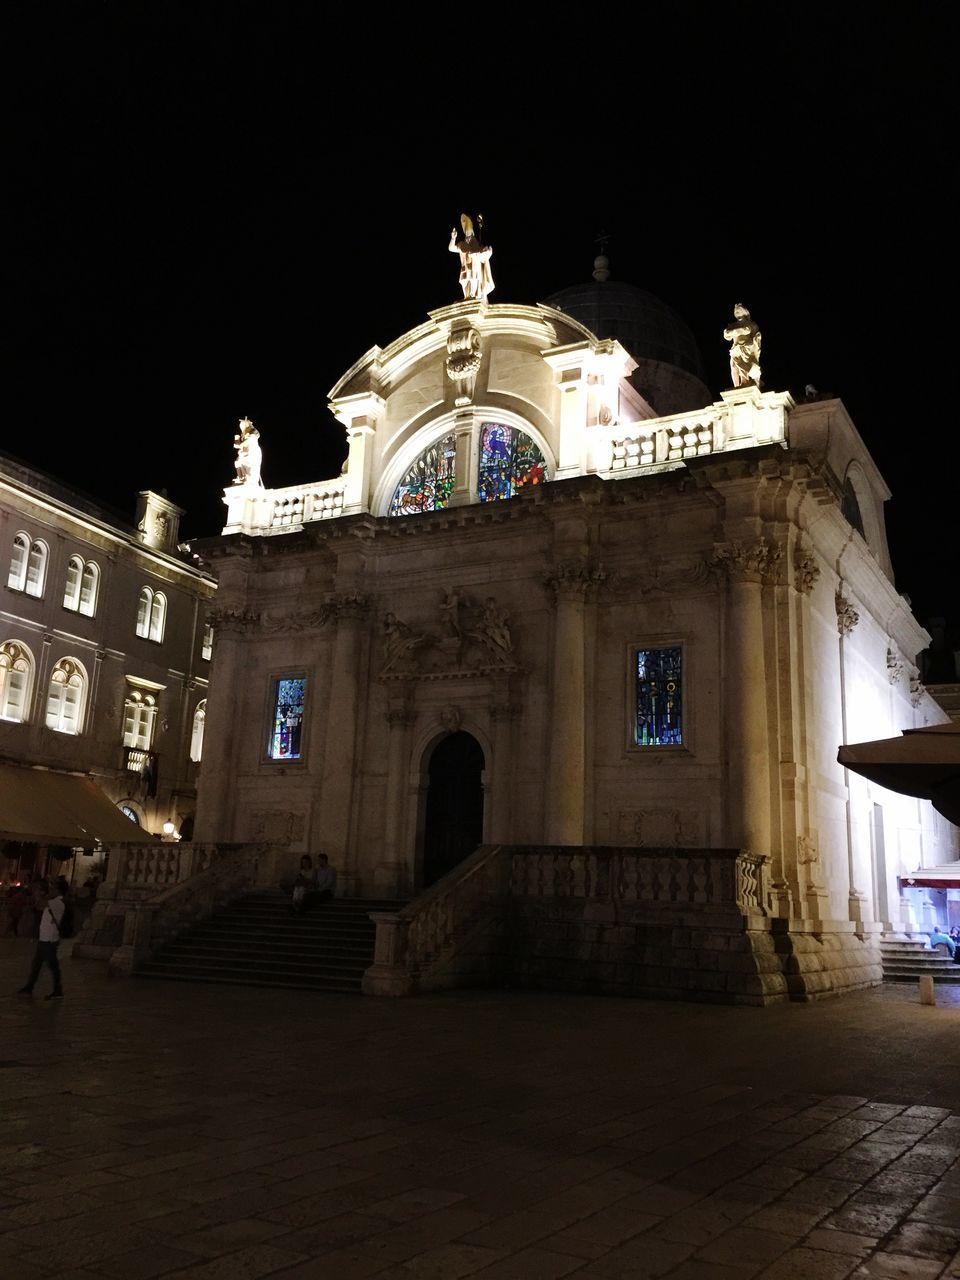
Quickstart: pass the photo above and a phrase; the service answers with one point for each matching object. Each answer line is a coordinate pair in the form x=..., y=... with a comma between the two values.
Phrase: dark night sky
x=217, y=207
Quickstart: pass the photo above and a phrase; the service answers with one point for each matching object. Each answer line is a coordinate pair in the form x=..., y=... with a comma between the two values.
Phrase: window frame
x=36, y=589
x=84, y=687
x=10, y=667
x=19, y=556
x=647, y=643
x=273, y=680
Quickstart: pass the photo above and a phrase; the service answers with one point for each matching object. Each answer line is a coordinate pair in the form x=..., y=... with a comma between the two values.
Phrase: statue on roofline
x=249, y=455
x=476, y=278
x=744, y=338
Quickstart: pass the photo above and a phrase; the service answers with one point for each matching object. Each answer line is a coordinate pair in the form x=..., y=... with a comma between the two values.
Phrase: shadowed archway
x=454, y=810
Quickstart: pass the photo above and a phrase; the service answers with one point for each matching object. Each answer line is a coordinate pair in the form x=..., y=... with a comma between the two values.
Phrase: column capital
x=748, y=562
x=574, y=581
x=847, y=615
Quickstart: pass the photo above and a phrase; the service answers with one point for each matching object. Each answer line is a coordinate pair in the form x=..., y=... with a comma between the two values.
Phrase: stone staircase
x=908, y=961
x=258, y=942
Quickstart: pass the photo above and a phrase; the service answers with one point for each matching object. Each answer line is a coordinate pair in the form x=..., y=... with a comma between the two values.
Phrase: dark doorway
x=453, y=824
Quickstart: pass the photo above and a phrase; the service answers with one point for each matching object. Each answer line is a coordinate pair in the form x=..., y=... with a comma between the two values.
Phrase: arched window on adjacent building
x=80, y=593
x=139, y=717
x=28, y=565
x=151, y=614
x=36, y=569
x=17, y=577
x=16, y=680
x=66, y=697
x=196, y=738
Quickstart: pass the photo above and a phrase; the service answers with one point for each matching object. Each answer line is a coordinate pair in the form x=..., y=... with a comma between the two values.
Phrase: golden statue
x=476, y=279
x=744, y=338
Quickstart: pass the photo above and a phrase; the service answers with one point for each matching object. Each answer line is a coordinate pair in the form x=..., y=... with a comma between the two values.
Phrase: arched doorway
x=453, y=825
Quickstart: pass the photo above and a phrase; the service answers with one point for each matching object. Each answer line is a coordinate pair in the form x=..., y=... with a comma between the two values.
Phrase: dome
x=651, y=331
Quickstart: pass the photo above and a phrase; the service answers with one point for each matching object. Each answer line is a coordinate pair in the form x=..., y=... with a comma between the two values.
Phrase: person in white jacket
x=47, y=944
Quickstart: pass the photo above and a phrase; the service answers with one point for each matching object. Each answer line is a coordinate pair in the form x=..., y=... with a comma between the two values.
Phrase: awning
x=922, y=762
x=947, y=877
x=44, y=807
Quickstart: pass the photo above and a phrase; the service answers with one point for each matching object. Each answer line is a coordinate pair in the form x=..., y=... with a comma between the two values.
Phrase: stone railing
x=149, y=924
x=711, y=877
x=453, y=932
x=740, y=419
x=428, y=933
x=260, y=511
x=152, y=892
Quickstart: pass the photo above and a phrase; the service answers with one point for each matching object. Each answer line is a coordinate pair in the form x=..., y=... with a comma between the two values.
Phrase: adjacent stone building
x=540, y=610
x=104, y=657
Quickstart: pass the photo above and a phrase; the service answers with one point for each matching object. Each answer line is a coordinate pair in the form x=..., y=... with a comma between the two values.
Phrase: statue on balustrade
x=744, y=338
x=476, y=278
x=249, y=455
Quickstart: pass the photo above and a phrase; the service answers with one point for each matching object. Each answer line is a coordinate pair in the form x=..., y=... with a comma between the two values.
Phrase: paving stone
x=142, y=1264
x=840, y=1242
x=925, y=1240
x=897, y=1267
x=530, y=1264
x=810, y=1264
x=247, y=1264
x=746, y=1246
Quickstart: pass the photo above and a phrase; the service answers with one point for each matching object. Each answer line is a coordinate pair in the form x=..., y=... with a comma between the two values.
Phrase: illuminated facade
x=604, y=625
x=101, y=637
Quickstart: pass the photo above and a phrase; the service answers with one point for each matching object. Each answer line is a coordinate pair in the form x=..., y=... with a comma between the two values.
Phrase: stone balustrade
x=505, y=903
x=264, y=511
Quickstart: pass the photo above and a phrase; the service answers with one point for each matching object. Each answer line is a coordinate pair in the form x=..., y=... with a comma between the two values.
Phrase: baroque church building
x=565, y=606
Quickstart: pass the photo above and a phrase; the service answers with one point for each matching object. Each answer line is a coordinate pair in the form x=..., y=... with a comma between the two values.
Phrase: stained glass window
x=287, y=719
x=659, y=701
x=429, y=482
x=509, y=461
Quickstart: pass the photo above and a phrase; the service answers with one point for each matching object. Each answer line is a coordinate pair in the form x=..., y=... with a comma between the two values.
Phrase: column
x=216, y=805
x=503, y=712
x=847, y=619
x=463, y=485
x=745, y=695
x=567, y=753
x=339, y=758
x=395, y=868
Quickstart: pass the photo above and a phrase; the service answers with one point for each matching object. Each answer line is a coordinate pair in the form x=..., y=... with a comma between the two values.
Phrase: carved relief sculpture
x=806, y=570
x=847, y=616
x=463, y=362
x=757, y=561
x=476, y=278
x=744, y=338
x=399, y=640
x=894, y=665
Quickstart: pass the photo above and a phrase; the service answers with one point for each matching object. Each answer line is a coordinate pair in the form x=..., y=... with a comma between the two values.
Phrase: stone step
x=259, y=941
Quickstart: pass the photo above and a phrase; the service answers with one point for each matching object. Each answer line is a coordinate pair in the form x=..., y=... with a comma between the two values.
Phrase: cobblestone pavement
x=219, y=1133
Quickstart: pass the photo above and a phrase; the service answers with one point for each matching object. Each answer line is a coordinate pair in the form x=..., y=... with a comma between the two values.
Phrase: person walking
x=47, y=943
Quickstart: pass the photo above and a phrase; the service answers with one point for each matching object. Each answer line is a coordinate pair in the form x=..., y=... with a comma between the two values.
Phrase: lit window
x=509, y=462
x=196, y=738
x=17, y=577
x=16, y=677
x=66, y=696
x=287, y=719
x=36, y=569
x=206, y=649
x=158, y=616
x=130, y=813
x=429, y=482
x=139, y=716
x=151, y=614
x=143, y=611
x=659, y=703
x=71, y=593
x=89, y=584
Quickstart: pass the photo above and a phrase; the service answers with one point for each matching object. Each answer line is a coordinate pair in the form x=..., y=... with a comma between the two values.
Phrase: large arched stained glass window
x=509, y=462
x=429, y=482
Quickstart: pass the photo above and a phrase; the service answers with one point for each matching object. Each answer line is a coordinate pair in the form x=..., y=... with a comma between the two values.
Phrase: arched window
x=851, y=507
x=66, y=697
x=17, y=577
x=129, y=812
x=509, y=462
x=89, y=586
x=429, y=482
x=196, y=738
x=139, y=716
x=71, y=592
x=16, y=678
x=143, y=611
x=158, y=616
x=36, y=569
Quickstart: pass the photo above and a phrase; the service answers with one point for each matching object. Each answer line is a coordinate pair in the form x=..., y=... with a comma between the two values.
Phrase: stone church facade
x=534, y=611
